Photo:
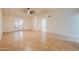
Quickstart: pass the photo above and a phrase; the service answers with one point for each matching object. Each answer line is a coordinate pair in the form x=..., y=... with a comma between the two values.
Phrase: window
x=44, y=25
x=18, y=24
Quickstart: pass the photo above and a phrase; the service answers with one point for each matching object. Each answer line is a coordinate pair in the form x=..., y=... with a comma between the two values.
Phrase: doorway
x=18, y=24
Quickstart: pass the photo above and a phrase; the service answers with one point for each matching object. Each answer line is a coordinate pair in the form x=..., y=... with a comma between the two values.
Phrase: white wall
x=34, y=24
x=39, y=23
x=1, y=23
x=64, y=22
x=8, y=25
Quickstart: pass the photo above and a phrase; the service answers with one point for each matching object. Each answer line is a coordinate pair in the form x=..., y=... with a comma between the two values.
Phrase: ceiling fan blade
x=29, y=11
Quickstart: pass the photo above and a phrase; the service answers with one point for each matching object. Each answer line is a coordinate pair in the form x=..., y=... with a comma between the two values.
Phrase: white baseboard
x=71, y=38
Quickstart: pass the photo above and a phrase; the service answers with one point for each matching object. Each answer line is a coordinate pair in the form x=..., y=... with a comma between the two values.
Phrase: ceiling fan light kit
x=29, y=11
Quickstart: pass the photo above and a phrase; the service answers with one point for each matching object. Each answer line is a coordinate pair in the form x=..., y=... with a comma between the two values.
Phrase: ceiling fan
x=29, y=11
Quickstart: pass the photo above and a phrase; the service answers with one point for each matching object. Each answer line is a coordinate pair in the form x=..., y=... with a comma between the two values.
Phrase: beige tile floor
x=36, y=41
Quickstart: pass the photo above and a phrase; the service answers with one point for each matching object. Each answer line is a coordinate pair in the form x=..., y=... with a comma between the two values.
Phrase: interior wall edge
x=1, y=23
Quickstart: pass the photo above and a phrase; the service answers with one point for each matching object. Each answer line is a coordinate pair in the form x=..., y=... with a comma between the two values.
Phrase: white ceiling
x=38, y=11
x=21, y=12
